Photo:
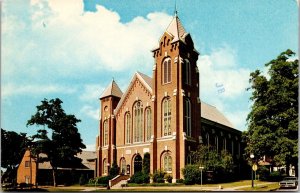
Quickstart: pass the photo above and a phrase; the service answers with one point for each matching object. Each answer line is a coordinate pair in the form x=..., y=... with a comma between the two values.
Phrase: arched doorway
x=137, y=163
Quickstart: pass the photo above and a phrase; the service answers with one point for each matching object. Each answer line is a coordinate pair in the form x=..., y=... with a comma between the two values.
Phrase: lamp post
x=201, y=169
x=252, y=156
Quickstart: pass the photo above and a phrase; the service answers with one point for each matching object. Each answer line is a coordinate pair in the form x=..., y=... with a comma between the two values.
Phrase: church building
x=161, y=115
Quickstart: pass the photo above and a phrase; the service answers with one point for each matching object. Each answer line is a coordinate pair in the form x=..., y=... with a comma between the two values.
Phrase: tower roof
x=176, y=29
x=112, y=90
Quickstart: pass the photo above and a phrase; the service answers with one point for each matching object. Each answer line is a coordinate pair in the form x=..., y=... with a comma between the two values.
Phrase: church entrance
x=137, y=163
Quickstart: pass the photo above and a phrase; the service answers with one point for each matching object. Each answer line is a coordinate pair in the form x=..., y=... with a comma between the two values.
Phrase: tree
x=13, y=146
x=65, y=141
x=273, y=120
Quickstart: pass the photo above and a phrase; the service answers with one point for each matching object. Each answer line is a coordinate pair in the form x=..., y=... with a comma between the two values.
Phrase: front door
x=137, y=163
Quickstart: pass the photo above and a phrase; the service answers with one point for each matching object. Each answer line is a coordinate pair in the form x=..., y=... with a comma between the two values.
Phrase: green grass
x=64, y=189
x=267, y=187
x=154, y=184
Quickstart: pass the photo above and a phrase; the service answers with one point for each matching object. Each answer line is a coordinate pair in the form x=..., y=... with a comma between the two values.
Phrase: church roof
x=147, y=82
x=211, y=113
x=112, y=90
x=176, y=29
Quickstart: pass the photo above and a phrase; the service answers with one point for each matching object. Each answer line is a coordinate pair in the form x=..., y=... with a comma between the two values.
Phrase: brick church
x=162, y=115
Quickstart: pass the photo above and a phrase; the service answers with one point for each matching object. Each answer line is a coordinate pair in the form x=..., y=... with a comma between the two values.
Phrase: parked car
x=289, y=182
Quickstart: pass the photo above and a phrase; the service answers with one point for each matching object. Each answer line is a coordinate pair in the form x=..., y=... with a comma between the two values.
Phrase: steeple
x=112, y=90
x=176, y=29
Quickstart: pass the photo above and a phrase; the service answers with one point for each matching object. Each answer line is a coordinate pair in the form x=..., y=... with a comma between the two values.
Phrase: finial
x=175, y=12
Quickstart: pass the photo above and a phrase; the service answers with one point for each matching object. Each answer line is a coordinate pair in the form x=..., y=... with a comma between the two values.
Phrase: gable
x=139, y=84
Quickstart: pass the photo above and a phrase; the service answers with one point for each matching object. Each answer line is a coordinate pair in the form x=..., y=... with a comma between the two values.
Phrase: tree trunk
x=54, y=178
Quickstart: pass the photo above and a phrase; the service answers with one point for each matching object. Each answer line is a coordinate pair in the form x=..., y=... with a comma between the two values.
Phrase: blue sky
x=72, y=49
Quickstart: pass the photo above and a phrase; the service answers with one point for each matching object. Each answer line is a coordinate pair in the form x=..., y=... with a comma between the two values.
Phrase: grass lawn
x=267, y=187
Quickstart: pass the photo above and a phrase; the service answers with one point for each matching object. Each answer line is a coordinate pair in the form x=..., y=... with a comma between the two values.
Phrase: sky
x=72, y=49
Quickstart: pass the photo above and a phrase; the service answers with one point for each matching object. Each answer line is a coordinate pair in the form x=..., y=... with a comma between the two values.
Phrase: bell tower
x=106, y=141
x=176, y=98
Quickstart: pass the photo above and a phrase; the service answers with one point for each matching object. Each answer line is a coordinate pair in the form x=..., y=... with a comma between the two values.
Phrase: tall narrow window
x=148, y=124
x=224, y=144
x=104, y=166
x=166, y=117
x=232, y=147
x=123, y=166
x=127, y=126
x=167, y=70
x=105, y=133
x=167, y=163
x=188, y=117
x=187, y=72
x=138, y=122
x=207, y=139
x=216, y=143
x=189, y=159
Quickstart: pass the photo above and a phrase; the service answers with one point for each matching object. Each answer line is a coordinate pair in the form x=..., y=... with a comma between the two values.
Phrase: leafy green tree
x=273, y=120
x=65, y=141
x=114, y=170
x=13, y=147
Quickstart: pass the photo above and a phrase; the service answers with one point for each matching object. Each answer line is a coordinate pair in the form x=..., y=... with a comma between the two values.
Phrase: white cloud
x=221, y=75
x=90, y=112
x=238, y=118
x=67, y=41
x=12, y=89
x=91, y=93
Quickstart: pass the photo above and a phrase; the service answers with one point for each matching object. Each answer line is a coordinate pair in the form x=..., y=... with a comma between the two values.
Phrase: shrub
x=275, y=176
x=146, y=163
x=158, y=176
x=191, y=174
x=114, y=170
x=83, y=179
x=169, y=178
x=264, y=173
x=179, y=181
x=139, y=178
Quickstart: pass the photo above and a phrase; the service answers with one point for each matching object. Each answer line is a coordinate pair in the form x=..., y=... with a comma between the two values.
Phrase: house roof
x=87, y=157
x=112, y=90
x=213, y=114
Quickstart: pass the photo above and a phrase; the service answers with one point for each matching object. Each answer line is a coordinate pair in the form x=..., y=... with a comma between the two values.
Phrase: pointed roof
x=176, y=29
x=211, y=113
x=145, y=80
x=112, y=90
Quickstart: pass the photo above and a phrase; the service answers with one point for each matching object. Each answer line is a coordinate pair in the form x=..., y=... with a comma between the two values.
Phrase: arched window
x=187, y=72
x=166, y=117
x=148, y=124
x=123, y=166
x=127, y=127
x=104, y=166
x=138, y=122
x=167, y=71
x=216, y=143
x=167, y=163
x=188, y=117
x=105, y=133
x=207, y=139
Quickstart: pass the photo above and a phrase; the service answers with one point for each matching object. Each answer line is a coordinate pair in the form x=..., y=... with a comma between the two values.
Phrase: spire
x=175, y=11
x=176, y=29
x=112, y=90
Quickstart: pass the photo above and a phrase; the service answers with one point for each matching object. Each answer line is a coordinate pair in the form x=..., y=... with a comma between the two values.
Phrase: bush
x=179, y=181
x=146, y=163
x=275, y=176
x=139, y=178
x=169, y=178
x=191, y=174
x=158, y=176
x=114, y=170
x=83, y=180
x=264, y=173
